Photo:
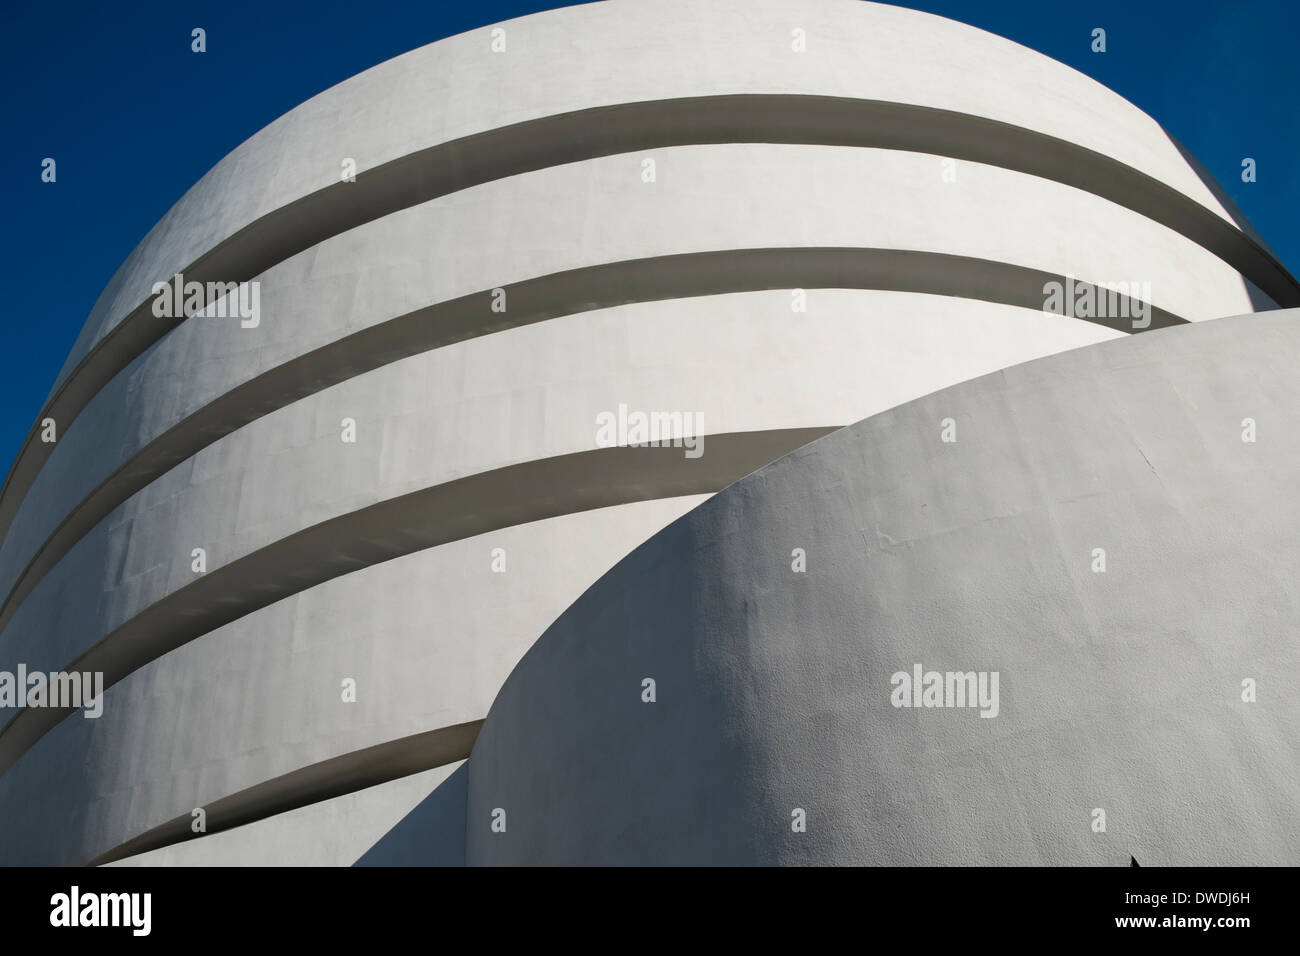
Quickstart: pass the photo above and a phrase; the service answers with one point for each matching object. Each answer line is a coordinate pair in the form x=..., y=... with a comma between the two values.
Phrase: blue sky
x=133, y=118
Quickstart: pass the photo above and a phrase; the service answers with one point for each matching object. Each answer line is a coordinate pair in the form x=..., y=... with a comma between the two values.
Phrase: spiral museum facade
x=311, y=545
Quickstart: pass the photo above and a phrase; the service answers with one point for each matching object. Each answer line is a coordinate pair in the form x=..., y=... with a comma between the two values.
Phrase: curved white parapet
x=489, y=238
x=633, y=53
x=1073, y=607
x=772, y=219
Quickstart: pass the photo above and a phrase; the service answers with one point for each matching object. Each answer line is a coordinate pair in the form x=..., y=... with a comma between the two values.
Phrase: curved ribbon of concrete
x=423, y=519
x=536, y=300
x=1121, y=685
x=602, y=131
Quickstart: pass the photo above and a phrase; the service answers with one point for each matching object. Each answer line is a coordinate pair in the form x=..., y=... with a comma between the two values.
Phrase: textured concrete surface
x=473, y=242
x=774, y=170
x=1120, y=690
x=262, y=696
x=489, y=400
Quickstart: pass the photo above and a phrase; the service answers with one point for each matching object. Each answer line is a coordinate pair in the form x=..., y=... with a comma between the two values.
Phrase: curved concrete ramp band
x=536, y=300
x=1123, y=690
x=451, y=511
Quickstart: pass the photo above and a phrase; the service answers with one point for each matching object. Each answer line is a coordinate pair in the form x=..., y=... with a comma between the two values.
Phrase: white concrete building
x=307, y=544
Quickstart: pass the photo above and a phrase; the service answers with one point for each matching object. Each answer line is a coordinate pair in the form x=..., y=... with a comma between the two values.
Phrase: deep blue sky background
x=133, y=118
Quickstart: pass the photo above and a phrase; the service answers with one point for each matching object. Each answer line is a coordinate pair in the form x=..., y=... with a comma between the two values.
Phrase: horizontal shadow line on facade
x=611, y=130
x=535, y=300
